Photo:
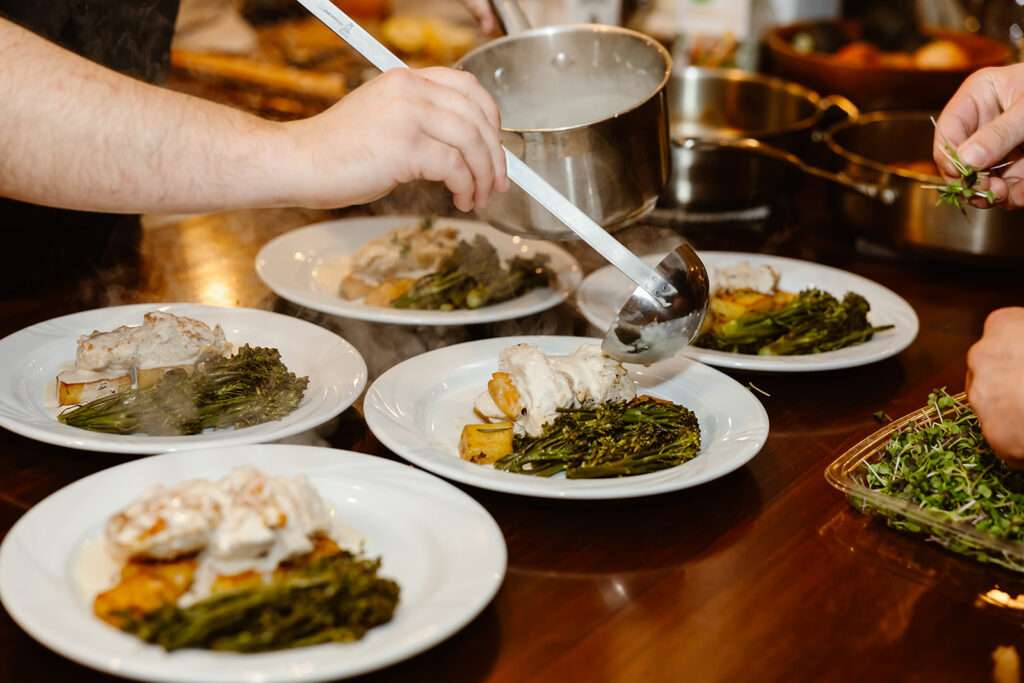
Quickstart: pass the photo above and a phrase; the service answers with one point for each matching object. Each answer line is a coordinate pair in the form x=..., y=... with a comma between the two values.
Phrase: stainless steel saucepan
x=886, y=148
x=584, y=106
x=739, y=138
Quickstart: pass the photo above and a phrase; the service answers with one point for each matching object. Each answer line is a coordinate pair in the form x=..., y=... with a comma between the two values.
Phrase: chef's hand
x=435, y=124
x=995, y=383
x=481, y=9
x=984, y=122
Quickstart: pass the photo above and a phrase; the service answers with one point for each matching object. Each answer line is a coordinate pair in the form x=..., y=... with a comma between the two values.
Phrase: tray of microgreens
x=932, y=474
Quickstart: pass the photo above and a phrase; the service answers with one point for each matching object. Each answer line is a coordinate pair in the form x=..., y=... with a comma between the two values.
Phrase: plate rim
x=491, y=578
x=804, y=363
x=376, y=418
x=135, y=444
x=505, y=310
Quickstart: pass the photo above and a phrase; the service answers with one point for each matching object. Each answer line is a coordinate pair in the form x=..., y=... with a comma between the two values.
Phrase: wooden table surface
x=766, y=574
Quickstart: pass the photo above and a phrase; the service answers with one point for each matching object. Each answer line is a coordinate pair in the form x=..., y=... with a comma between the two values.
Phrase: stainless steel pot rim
x=875, y=117
x=597, y=29
x=820, y=103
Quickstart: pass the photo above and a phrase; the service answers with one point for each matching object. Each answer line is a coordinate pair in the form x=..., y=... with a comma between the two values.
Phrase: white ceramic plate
x=418, y=409
x=304, y=266
x=34, y=356
x=441, y=546
x=604, y=291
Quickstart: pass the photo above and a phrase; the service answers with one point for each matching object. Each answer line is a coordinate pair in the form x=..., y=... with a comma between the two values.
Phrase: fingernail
x=972, y=155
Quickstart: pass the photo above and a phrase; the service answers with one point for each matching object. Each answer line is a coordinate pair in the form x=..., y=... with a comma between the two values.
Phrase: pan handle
x=510, y=15
x=883, y=193
x=834, y=108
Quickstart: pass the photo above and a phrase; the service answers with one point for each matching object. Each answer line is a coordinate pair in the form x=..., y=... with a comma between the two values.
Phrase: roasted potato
x=383, y=294
x=70, y=393
x=727, y=306
x=144, y=587
x=149, y=376
x=485, y=443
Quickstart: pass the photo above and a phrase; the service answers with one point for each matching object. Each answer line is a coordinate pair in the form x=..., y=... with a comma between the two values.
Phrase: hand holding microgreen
x=980, y=130
x=960, y=190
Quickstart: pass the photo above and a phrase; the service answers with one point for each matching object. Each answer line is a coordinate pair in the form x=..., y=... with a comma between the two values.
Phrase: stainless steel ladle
x=659, y=317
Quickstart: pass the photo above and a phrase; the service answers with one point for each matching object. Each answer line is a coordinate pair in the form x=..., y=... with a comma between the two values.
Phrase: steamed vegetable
x=813, y=322
x=473, y=276
x=615, y=439
x=249, y=388
x=337, y=598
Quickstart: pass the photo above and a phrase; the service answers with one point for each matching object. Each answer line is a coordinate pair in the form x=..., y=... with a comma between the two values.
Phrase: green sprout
x=957, y=192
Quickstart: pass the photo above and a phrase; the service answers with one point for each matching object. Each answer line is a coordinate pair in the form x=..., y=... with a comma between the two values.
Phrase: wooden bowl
x=883, y=86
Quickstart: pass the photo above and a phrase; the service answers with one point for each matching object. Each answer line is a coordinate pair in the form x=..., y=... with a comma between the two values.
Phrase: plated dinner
x=777, y=314
x=210, y=555
x=152, y=378
x=417, y=270
x=421, y=407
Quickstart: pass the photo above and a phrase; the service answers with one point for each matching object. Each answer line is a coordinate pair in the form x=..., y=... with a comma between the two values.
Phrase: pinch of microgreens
x=957, y=192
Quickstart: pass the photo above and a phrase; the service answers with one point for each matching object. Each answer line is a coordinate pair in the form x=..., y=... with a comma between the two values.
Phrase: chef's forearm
x=77, y=135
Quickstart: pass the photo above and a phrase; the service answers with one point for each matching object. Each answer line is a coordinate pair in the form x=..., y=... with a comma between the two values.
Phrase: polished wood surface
x=766, y=574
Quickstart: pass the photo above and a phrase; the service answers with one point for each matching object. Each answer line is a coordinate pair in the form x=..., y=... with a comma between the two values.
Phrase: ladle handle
x=590, y=232
x=353, y=34
x=510, y=16
x=518, y=172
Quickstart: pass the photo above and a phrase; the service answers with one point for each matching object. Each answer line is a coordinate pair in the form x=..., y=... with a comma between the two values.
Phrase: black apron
x=57, y=247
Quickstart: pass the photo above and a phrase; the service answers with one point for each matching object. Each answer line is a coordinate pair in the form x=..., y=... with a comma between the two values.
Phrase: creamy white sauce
x=409, y=251
x=77, y=375
x=247, y=521
x=97, y=568
x=163, y=339
x=585, y=377
x=763, y=279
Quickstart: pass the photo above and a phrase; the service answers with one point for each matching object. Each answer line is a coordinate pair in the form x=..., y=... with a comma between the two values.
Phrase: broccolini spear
x=473, y=276
x=813, y=322
x=610, y=440
x=249, y=388
x=336, y=599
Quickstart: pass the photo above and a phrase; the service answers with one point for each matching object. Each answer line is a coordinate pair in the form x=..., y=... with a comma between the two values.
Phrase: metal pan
x=584, y=106
x=872, y=149
x=739, y=138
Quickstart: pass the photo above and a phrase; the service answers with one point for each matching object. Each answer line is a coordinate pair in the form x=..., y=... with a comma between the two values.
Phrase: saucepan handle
x=834, y=108
x=883, y=193
x=510, y=15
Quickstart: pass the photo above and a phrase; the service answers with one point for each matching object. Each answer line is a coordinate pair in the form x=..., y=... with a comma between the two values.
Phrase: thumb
x=992, y=142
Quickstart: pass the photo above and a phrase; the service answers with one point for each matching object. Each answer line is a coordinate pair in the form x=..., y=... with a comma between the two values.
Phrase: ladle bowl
x=644, y=331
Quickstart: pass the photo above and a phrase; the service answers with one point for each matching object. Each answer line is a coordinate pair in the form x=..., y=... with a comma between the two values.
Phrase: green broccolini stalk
x=615, y=439
x=813, y=322
x=473, y=276
x=249, y=388
x=944, y=465
x=336, y=599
